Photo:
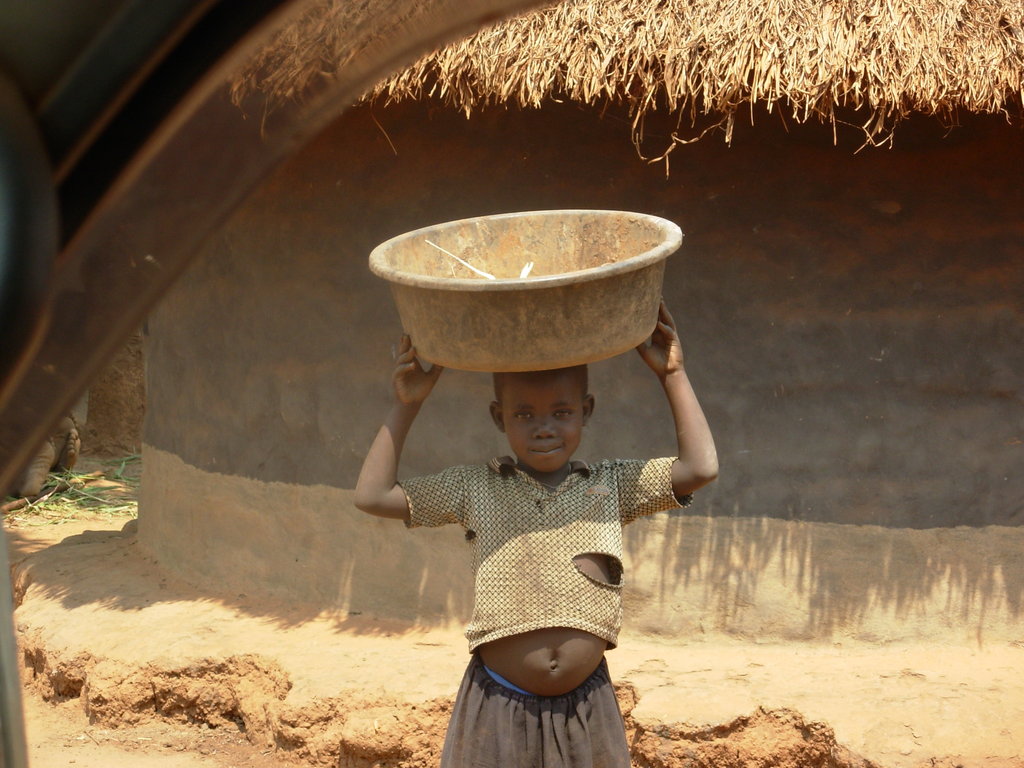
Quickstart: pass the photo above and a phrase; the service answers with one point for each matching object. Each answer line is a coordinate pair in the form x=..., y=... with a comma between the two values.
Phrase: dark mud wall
x=852, y=322
x=116, y=404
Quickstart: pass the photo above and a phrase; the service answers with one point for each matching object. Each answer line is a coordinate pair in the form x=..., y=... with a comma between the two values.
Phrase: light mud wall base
x=688, y=577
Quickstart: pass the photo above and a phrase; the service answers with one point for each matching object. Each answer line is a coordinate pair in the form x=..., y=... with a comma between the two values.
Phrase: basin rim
x=671, y=231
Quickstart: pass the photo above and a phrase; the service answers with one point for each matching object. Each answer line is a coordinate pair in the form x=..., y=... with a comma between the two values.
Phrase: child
x=547, y=538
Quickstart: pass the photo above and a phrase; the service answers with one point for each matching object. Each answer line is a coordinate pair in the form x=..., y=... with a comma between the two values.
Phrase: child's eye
x=563, y=414
x=521, y=415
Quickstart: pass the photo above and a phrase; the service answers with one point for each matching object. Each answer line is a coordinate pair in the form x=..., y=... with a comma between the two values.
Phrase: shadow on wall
x=769, y=579
x=689, y=576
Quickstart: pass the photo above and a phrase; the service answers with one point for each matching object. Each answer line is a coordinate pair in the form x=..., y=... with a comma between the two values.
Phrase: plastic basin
x=592, y=292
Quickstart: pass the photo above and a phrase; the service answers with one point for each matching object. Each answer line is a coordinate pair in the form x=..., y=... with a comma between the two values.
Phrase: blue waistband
x=502, y=681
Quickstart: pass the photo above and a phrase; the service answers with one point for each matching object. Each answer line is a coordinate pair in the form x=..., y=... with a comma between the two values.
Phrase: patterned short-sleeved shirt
x=525, y=536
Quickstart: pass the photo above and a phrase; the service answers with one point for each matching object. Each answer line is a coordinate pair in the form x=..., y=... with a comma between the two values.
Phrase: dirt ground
x=126, y=667
x=60, y=734
x=58, y=730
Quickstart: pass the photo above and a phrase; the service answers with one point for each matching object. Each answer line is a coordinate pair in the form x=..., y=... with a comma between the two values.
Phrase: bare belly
x=546, y=662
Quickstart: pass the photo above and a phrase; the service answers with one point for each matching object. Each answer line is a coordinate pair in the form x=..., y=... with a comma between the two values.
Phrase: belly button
x=553, y=664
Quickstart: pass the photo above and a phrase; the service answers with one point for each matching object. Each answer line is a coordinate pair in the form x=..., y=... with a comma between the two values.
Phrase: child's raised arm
x=377, y=489
x=697, y=463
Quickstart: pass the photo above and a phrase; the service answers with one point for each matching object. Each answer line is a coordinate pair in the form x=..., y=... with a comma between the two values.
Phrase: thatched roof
x=810, y=58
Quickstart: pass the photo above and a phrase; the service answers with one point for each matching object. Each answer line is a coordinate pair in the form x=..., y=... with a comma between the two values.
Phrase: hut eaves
x=884, y=59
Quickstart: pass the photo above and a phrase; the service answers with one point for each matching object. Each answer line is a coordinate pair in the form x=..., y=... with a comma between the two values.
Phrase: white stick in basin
x=461, y=261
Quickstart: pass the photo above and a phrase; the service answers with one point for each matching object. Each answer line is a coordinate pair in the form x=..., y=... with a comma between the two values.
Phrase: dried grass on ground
x=105, y=489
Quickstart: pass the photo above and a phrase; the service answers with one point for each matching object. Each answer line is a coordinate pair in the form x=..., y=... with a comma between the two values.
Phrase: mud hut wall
x=851, y=321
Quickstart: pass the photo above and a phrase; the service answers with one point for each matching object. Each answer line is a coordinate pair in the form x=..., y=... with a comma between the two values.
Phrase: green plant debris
x=108, y=490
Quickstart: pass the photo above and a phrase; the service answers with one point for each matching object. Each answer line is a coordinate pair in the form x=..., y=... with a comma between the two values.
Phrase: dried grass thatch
x=810, y=58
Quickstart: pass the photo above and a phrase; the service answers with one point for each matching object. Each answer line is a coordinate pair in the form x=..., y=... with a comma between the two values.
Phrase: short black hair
x=578, y=372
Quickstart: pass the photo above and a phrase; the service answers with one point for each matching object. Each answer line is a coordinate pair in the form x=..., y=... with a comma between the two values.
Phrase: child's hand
x=662, y=352
x=412, y=383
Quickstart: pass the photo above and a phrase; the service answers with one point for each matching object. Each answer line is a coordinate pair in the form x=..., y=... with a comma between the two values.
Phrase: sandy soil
x=60, y=734
x=125, y=667
x=58, y=730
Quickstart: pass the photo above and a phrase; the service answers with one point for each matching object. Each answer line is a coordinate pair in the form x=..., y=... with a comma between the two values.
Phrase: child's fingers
x=402, y=369
x=416, y=359
x=665, y=316
x=406, y=356
x=397, y=350
x=645, y=355
x=408, y=363
x=407, y=346
x=667, y=330
x=408, y=352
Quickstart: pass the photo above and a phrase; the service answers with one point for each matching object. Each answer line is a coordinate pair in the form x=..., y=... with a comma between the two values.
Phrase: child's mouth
x=545, y=451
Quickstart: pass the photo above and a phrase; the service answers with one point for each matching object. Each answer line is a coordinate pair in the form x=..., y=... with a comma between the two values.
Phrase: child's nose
x=544, y=428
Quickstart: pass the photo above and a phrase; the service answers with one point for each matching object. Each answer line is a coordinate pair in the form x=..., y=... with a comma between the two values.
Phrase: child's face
x=542, y=414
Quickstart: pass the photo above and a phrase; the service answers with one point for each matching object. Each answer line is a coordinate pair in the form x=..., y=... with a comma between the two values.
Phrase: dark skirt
x=495, y=727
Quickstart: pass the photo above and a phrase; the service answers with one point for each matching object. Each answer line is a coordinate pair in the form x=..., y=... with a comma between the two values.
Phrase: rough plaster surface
x=99, y=621
x=687, y=576
x=852, y=321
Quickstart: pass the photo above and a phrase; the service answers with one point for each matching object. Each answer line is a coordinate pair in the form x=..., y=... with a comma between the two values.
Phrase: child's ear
x=496, y=415
x=588, y=407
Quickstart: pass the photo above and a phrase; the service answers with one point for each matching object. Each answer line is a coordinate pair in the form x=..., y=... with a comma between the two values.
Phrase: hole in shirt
x=602, y=568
